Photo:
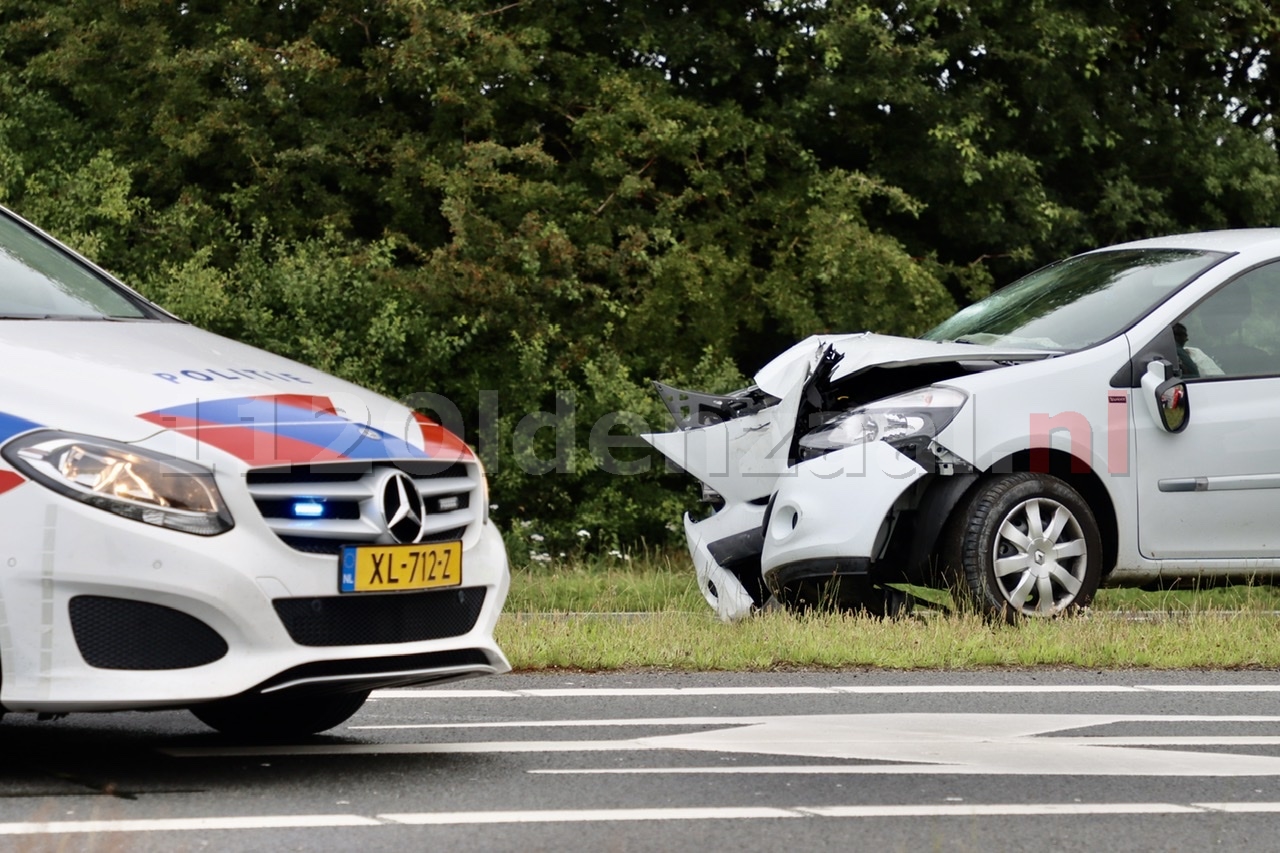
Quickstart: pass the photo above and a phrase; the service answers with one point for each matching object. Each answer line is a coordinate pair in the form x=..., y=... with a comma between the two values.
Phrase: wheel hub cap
x=1040, y=557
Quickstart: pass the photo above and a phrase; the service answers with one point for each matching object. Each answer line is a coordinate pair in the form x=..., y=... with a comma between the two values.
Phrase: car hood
x=865, y=350
x=741, y=458
x=170, y=383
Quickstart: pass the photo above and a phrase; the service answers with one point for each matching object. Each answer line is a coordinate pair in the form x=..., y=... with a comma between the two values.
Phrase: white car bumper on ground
x=721, y=587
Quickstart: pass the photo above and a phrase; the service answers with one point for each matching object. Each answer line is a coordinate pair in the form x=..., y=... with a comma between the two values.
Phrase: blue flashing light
x=308, y=509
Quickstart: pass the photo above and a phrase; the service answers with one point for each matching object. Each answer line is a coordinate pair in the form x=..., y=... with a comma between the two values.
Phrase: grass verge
x=581, y=616
x=698, y=642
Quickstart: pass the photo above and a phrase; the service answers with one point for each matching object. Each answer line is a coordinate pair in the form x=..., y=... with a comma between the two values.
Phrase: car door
x=1212, y=491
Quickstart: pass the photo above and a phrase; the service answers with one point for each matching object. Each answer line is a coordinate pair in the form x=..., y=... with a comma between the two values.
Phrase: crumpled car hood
x=743, y=457
x=865, y=349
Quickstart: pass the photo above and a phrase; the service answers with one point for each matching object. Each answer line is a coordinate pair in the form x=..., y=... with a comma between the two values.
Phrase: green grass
x=697, y=642
x=1241, y=597
x=659, y=583
x=578, y=615
x=665, y=582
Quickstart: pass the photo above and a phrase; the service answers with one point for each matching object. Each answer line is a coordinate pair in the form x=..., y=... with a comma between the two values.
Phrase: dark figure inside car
x=1185, y=362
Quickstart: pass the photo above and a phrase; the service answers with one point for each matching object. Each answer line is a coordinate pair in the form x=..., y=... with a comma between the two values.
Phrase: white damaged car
x=187, y=522
x=1111, y=419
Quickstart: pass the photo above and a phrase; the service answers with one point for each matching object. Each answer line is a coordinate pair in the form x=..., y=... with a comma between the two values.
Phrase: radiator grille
x=319, y=508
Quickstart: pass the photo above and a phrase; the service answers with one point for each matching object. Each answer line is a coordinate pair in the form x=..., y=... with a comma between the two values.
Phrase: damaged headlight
x=904, y=421
x=122, y=479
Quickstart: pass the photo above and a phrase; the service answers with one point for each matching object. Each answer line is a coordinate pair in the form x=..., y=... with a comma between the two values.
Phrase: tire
x=279, y=716
x=1024, y=545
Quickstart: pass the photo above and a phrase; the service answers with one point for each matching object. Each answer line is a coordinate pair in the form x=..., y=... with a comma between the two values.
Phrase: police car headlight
x=899, y=421
x=137, y=484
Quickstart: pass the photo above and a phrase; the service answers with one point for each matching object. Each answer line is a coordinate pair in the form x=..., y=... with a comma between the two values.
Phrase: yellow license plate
x=389, y=568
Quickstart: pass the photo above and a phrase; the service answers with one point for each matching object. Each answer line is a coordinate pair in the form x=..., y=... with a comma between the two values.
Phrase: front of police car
x=191, y=522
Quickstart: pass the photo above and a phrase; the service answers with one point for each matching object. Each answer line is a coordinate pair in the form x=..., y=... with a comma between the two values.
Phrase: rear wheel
x=1024, y=545
x=279, y=716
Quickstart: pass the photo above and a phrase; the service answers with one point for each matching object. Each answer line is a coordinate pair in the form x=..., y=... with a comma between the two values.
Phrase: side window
x=1236, y=331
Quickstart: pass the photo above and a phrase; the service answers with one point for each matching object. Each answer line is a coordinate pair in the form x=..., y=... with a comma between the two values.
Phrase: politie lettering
x=209, y=374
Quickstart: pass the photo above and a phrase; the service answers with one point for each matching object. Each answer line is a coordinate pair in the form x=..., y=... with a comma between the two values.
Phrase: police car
x=188, y=522
x=1111, y=419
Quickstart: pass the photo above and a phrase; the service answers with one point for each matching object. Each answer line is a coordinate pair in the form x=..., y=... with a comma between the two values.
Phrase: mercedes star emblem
x=403, y=510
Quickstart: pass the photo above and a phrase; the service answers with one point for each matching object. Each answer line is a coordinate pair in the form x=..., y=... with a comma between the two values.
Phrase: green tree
x=547, y=200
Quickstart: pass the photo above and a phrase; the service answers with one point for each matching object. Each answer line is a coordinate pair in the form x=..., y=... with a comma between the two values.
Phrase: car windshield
x=39, y=281
x=1078, y=302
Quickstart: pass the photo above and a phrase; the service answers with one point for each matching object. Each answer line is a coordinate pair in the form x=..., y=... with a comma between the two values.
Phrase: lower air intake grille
x=116, y=633
x=367, y=620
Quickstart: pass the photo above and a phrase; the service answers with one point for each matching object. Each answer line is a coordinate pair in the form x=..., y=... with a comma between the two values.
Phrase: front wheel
x=279, y=716
x=1025, y=545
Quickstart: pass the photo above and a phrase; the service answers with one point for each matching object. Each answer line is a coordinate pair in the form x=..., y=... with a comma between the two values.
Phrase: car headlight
x=904, y=420
x=137, y=484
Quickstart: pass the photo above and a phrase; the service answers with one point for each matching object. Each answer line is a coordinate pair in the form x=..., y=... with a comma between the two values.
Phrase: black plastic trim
x=344, y=676
x=746, y=545
x=819, y=569
x=123, y=634
x=396, y=617
x=936, y=506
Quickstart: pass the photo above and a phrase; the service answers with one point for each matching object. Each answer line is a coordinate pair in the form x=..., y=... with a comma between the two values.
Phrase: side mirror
x=1167, y=399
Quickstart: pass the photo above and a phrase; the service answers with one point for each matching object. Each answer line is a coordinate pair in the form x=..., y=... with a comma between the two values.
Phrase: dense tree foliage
x=548, y=203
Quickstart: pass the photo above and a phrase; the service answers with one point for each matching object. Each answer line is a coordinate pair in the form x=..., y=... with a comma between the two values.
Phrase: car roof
x=1238, y=240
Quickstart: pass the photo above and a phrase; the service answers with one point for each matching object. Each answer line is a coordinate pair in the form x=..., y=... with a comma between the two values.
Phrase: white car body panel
x=812, y=517
x=742, y=458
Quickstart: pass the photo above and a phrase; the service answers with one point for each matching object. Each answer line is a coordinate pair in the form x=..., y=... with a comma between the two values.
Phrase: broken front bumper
x=829, y=518
x=726, y=556
x=833, y=515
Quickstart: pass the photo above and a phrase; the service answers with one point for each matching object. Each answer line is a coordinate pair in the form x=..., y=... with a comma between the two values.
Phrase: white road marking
x=1244, y=808
x=1008, y=809
x=743, y=721
x=408, y=748
x=833, y=770
x=594, y=815
x=954, y=744
x=589, y=724
x=440, y=693
x=252, y=822
x=1176, y=740
x=189, y=824
x=997, y=744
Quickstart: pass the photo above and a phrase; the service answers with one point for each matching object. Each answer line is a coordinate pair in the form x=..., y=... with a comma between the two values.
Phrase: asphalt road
x=669, y=761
